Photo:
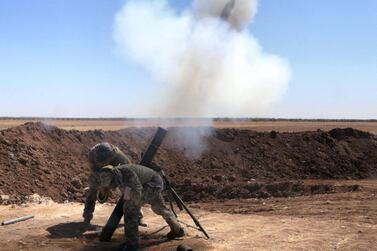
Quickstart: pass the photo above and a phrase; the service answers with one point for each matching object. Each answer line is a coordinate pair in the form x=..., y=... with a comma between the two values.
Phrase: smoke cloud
x=205, y=63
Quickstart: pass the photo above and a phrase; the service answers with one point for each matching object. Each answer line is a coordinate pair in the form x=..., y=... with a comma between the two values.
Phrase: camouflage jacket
x=137, y=176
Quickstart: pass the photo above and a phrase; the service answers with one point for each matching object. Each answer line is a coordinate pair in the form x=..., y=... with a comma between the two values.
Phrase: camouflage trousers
x=131, y=209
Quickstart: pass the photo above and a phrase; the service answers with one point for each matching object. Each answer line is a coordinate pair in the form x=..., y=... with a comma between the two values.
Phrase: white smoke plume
x=204, y=65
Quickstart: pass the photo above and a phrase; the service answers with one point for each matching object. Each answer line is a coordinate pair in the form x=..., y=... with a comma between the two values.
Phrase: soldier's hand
x=103, y=195
x=155, y=167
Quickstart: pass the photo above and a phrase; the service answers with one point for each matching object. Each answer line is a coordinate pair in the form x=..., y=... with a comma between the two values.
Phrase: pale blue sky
x=58, y=58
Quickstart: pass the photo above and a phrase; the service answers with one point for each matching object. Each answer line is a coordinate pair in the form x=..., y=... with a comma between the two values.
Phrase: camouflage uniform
x=100, y=155
x=141, y=185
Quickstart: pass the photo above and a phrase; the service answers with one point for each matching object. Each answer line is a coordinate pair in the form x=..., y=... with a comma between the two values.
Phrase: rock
x=224, y=135
x=11, y=155
x=5, y=142
x=22, y=160
x=263, y=194
x=22, y=243
x=187, y=182
x=4, y=197
x=273, y=134
x=71, y=190
x=35, y=162
x=98, y=133
x=76, y=183
x=215, y=165
x=45, y=170
x=79, y=195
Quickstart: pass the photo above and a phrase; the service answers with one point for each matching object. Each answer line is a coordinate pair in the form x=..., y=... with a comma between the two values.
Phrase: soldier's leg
x=131, y=209
x=158, y=207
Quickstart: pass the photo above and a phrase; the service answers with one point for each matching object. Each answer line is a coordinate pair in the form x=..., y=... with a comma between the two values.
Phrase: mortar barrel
x=12, y=221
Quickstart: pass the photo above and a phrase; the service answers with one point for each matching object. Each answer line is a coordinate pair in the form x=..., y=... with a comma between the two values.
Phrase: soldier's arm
x=131, y=188
x=91, y=197
x=131, y=180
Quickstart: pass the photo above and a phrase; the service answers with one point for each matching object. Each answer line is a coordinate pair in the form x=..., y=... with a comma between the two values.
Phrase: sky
x=59, y=59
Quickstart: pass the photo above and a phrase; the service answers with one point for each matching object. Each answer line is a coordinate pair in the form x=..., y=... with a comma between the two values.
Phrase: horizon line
x=37, y=118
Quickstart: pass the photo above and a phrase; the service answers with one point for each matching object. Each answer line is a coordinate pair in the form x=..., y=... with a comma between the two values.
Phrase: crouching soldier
x=139, y=185
x=101, y=155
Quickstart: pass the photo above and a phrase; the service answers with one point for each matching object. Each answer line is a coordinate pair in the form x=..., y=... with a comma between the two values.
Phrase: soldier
x=101, y=155
x=139, y=185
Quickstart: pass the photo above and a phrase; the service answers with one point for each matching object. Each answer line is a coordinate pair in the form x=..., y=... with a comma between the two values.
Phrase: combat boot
x=174, y=235
x=128, y=247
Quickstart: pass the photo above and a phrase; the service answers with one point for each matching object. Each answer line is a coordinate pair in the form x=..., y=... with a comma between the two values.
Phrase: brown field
x=336, y=214
x=257, y=125
x=337, y=221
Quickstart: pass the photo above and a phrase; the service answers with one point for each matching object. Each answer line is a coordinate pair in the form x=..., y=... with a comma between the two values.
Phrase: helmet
x=101, y=154
x=104, y=151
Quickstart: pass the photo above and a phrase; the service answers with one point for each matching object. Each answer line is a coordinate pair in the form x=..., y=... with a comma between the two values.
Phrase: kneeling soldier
x=139, y=185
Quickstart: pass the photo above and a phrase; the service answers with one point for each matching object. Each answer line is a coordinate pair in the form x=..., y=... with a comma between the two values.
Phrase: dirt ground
x=251, y=190
x=335, y=221
x=260, y=126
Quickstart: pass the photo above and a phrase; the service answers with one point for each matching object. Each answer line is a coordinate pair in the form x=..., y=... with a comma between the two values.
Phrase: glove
x=103, y=195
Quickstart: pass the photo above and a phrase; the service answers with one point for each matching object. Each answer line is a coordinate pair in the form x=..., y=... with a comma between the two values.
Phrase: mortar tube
x=12, y=221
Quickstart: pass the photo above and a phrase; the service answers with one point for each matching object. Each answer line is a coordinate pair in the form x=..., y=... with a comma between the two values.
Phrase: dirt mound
x=37, y=158
x=242, y=190
x=342, y=134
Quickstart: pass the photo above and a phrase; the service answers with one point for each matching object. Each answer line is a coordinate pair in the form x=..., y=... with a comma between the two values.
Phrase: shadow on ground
x=70, y=230
x=150, y=245
x=148, y=241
